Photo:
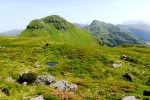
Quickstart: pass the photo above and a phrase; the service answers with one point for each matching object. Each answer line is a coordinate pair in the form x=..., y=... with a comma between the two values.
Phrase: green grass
x=88, y=66
x=58, y=29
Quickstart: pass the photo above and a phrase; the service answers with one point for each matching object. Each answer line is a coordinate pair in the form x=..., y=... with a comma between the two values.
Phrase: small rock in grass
x=9, y=79
x=115, y=65
x=38, y=98
x=130, y=98
x=128, y=77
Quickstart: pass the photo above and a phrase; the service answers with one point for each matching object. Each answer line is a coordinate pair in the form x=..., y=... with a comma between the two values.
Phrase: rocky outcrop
x=64, y=86
x=45, y=79
x=61, y=85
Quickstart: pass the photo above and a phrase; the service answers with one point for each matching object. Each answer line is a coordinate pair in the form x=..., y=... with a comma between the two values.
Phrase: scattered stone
x=146, y=93
x=38, y=98
x=115, y=65
x=128, y=77
x=130, y=59
x=45, y=79
x=24, y=83
x=9, y=79
x=5, y=91
x=124, y=57
x=64, y=86
x=37, y=65
x=130, y=98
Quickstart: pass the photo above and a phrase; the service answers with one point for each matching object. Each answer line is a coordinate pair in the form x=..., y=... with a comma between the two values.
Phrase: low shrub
x=27, y=77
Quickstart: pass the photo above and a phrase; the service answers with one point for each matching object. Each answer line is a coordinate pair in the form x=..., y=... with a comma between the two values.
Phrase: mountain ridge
x=110, y=34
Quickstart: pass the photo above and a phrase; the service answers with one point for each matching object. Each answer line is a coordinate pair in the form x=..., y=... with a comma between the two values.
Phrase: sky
x=16, y=14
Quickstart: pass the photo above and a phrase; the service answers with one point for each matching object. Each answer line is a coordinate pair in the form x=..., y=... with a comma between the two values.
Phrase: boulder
x=45, y=79
x=128, y=77
x=130, y=98
x=38, y=98
x=64, y=86
x=115, y=65
x=61, y=85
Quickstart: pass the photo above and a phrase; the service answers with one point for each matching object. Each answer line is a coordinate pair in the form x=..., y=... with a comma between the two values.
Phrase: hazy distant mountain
x=80, y=25
x=130, y=22
x=110, y=34
x=11, y=32
x=140, y=30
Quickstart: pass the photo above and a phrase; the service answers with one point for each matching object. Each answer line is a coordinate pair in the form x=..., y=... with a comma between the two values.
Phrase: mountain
x=110, y=34
x=80, y=25
x=58, y=29
x=130, y=22
x=140, y=30
x=11, y=32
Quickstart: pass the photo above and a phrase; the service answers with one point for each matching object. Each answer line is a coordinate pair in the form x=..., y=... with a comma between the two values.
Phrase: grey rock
x=61, y=85
x=24, y=83
x=130, y=98
x=64, y=86
x=45, y=79
x=38, y=98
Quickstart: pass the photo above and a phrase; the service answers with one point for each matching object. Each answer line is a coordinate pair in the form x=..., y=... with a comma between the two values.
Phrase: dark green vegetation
x=90, y=67
x=110, y=34
x=58, y=29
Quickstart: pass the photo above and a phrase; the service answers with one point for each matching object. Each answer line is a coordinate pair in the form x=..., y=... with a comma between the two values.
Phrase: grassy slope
x=46, y=28
x=90, y=67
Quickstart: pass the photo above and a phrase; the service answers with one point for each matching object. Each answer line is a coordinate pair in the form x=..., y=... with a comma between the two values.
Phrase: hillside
x=100, y=73
x=110, y=34
x=58, y=29
x=140, y=30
